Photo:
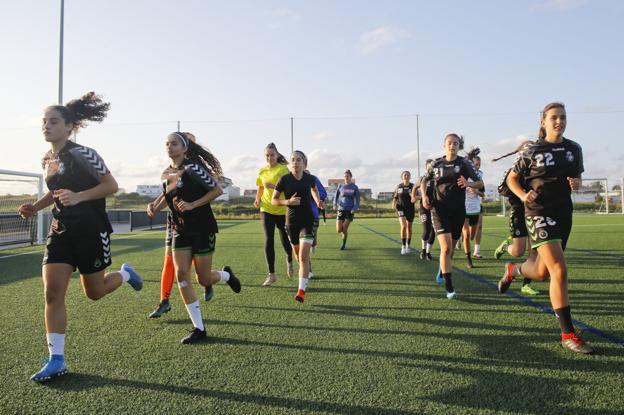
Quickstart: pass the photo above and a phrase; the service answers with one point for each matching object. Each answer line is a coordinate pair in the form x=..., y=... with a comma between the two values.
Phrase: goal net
x=17, y=188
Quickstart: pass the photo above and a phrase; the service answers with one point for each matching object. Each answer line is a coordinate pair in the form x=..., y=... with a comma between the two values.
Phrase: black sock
x=403, y=241
x=344, y=242
x=565, y=319
x=526, y=281
x=448, y=282
x=409, y=241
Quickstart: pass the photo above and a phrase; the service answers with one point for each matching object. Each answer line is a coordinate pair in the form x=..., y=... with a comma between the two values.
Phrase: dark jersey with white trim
x=403, y=196
x=504, y=190
x=76, y=168
x=446, y=191
x=428, y=189
x=288, y=185
x=189, y=181
x=545, y=168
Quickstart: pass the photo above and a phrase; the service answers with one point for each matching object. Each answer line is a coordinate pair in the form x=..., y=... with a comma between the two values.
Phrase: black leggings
x=428, y=233
x=269, y=222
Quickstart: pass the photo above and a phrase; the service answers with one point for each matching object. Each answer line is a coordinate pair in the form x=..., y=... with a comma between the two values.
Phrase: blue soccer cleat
x=135, y=280
x=439, y=278
x=53, y=368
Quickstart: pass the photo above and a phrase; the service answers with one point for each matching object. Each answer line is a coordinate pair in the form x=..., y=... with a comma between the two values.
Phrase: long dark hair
x=521, y=147
x=542, y=132
x=199, y=154
x=89, y=107
x=474, y=153
x=460, y=139
x=280, y=157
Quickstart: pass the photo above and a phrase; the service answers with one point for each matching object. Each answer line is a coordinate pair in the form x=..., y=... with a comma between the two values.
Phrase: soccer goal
x=17, y=188
x=593, y=196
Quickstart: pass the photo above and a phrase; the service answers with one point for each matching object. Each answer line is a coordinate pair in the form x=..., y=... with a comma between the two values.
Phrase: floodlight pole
x=622, y=193
x=292, y=135
x=60, y=82
x=418, y=144
x=178, y=126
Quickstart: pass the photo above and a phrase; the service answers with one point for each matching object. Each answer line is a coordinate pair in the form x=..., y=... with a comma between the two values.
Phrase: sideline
x=516, y=296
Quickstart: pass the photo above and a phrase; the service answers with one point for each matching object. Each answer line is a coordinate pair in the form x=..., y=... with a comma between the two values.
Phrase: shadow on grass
x=80, y=382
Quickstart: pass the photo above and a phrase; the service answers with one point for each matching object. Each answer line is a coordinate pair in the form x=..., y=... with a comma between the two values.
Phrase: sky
x=353, y=75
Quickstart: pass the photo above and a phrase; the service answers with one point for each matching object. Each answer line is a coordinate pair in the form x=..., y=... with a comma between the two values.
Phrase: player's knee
x=558, y=271
x=53, y=296
x=94, y=293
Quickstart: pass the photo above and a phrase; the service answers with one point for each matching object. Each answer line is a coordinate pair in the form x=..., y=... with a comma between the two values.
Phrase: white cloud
x=324, y=135
x=282, y=16
x=558, y=5
x=380, y=38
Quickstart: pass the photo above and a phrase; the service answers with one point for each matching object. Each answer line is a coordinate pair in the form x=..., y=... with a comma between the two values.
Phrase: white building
x=151, y=190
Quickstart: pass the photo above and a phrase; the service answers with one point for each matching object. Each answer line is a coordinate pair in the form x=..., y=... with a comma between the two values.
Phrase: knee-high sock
x=166, y=279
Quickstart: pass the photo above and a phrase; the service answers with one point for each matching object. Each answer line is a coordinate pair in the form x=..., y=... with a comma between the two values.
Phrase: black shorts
x=448, y=221
x=473, y=220
x=297, y=231
x=198, y=244
x=89, y=251
x=544, y=229
x=517, y=224
x=345, y=215
x=407, y=213
x=425, y=215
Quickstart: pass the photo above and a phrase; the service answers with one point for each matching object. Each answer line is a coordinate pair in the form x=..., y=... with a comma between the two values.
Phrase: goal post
x=17, y=188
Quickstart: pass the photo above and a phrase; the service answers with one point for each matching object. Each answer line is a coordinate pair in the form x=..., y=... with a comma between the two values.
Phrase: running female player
x=347, y=201
x=299, y=188
x=272, y=216
x=428, y=233
x=79, y=237
x=516, y=244
x=450, y=175
x=188, y=188
x=551, y=169
x=402, y=202
x=473, y=207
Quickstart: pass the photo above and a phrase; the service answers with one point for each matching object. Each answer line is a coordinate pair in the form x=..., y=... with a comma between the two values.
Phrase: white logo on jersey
x=569, y=156
x=457, y=168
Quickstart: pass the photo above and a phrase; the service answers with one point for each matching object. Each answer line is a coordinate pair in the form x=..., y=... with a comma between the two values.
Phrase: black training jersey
x=76, y=168
x=545, y=168
x=428, y=189
x=403, y=196
x=446, y=191
x=189, y=181
x=289, y=185
x=504, y=190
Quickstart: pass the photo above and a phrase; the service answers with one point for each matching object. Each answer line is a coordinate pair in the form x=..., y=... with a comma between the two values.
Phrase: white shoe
x=271, y=278
x=403, y=250
x=451, y=295
x=408, y=250
x=310, y=275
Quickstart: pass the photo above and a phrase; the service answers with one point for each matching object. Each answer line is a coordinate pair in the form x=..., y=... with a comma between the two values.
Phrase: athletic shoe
x=575, y=343
x=403, y=250
x=233, y=282
x=505, y=281
x=528, y=290
x=502, y=248
x=299, y=297
x=162, y=308
x=271, y=278
x=53, y=368
x=451, y=295
x=289, y=270
x=208, y=292
x=477, y=255
x=458, y=244
x=310, y=275
x=408, y=250
x=423, y=254
x=196, y=335
x=343, y=247
x=135, y=280
x=439, y=277
x=429, y=258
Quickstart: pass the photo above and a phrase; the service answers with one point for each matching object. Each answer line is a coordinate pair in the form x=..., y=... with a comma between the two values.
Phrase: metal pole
x=178, y=126
x=418, y=143
x=622, y=193
x=607, y=194
x=292, y=135
x=60, y=83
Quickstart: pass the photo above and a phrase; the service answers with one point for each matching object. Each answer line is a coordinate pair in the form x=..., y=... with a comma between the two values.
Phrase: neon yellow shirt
x=270, y=175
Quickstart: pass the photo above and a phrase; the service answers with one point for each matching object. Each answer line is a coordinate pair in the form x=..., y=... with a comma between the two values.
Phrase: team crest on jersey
x=179, y=183
x=457, y=168
x=97, y=263
x=542, y=234
x=517, y=232
x=569, y=156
